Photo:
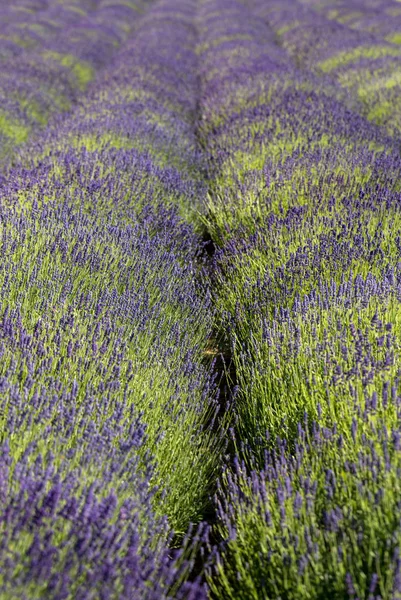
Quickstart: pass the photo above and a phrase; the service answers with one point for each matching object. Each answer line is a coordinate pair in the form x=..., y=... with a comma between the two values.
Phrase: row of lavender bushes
x=363, y=60
x=49, y=53
x=264, y=126
x=106, y=387
x=304, y=211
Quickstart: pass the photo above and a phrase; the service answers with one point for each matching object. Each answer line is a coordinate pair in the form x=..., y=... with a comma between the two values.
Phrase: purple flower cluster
x=65, y=538
x=139, y=120
x=313, y=522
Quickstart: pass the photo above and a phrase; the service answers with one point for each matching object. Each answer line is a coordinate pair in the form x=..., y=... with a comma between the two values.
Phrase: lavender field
x=200, y=300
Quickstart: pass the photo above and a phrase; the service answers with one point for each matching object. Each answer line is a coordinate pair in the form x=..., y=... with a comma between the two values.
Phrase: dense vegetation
x=200, y=288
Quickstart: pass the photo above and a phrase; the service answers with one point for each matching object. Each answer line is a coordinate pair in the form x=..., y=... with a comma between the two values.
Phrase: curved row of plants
x=304, y=209
x=49, y=53
x=105, y=384
x=363, y=62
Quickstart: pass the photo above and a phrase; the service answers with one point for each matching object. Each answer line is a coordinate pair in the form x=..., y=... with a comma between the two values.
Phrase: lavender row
x=265, y=140
x=27, y=24
x=381, y=18
x=107, y=393
x=363, y=64
x=305, y=210
x=141, y=116
x=102, y=389
x=49, y=57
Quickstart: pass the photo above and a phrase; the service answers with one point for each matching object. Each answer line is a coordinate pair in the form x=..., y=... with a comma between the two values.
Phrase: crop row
x=364, y=62
x=305, y=212
x=105, y=390
x=48, y=55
